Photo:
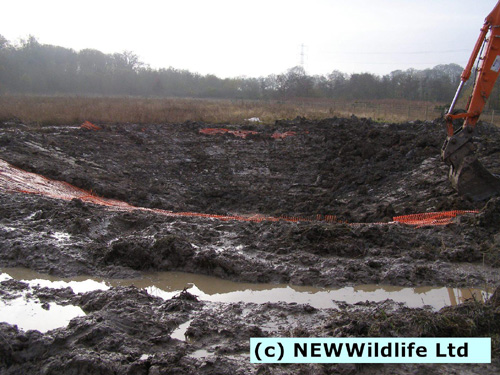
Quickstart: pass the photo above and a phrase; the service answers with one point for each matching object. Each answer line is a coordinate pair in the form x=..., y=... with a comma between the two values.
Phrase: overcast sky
x=255, y=38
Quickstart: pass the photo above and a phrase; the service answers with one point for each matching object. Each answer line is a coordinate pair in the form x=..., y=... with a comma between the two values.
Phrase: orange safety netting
x=88, y=125
x=18, y=180
x=13, y=179
x=277, y=135
x=432, y=218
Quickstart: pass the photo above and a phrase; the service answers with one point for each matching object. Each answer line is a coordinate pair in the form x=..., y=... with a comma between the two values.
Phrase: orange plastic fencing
x=432, y=218
x=13, y=179
x=277, y=135
x=88, y=125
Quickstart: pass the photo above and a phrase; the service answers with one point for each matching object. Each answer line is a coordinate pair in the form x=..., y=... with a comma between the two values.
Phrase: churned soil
x=357, y=173
x=127, y=331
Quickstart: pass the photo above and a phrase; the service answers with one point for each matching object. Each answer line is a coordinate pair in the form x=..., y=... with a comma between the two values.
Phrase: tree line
x=30, y=67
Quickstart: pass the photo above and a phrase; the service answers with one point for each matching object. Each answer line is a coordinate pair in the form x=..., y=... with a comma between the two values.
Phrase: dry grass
x=53, y=110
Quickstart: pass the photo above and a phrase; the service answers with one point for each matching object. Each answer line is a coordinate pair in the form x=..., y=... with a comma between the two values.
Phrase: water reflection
x=168, y=284
x=32, y=315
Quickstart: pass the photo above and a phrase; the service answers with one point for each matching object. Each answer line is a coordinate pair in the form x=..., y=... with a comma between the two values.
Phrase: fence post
x=492, y=115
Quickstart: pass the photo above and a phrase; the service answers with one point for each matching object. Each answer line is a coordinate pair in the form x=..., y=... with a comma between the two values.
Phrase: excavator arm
x=467, y=175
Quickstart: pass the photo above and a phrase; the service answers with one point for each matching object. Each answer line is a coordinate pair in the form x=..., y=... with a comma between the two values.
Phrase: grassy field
x=59, y=110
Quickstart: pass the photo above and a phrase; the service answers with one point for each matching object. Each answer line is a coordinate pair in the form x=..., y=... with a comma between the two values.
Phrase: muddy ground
x=360, y=171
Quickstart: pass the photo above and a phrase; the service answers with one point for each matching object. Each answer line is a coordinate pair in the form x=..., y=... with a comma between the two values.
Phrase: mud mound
x=353, y=168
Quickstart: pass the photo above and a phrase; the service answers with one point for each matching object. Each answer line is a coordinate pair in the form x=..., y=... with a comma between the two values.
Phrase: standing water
x=30, y=315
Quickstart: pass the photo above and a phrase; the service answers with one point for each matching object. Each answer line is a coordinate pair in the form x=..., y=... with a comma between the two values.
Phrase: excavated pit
x=333, y=186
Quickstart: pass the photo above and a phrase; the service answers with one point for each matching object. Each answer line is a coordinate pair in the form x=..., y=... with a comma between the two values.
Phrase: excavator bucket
x=472, y=179
x=467, y=174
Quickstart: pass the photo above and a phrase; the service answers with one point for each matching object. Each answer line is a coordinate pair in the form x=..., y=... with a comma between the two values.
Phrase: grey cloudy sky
x=231, y=38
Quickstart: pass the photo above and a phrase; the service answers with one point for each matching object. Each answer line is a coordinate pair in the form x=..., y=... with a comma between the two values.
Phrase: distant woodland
x=30, y=67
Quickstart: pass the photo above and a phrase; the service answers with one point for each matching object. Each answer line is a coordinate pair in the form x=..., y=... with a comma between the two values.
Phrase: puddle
x=79, y=284
x=28, y=314
x=180, y=332
x=168, y=284
x=201, y=353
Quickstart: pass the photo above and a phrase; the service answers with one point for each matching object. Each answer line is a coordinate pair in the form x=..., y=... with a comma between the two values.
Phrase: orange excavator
x=467, y=175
